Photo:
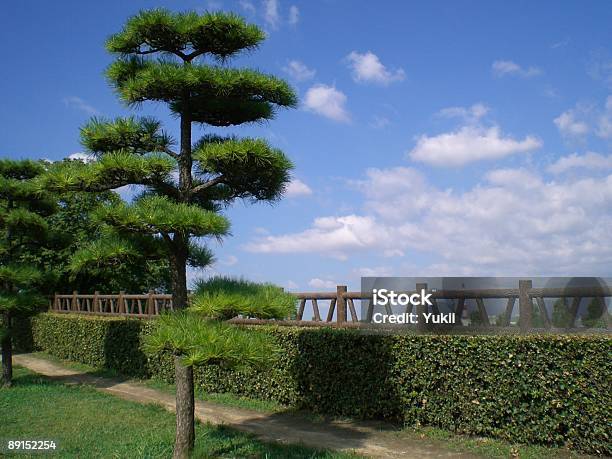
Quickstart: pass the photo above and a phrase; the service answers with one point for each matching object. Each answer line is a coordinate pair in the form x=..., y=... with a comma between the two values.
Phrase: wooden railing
x=341, y=304
x=149, y=304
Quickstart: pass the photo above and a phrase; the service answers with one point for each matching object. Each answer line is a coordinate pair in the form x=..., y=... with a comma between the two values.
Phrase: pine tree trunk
x=185, y=410
x=185, y=161
x=180, y=243
x=7, y=353
x=178, y=264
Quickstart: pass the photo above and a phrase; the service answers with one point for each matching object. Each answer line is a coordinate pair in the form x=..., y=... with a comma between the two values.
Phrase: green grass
x=489, y=447
x=86, y=423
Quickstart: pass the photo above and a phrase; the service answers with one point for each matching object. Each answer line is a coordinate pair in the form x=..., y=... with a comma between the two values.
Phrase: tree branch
x=192, y=56
x=152, y=50
x=167, y=238
x=148, y=51
x=169, y=152
x=206, y=185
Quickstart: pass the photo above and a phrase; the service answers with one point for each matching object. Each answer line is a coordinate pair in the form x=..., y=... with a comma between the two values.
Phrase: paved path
x=375, y=440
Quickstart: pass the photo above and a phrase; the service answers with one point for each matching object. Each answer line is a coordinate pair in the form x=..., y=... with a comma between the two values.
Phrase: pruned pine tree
x=23, y=225
x=178, y=59
x=194, y=340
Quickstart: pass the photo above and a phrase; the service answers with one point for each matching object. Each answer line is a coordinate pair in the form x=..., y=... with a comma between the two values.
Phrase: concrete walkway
x=375, y=440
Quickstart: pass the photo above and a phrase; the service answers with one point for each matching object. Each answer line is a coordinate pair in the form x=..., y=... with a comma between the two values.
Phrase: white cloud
x=569, y=125
x=247, y=6
x=322, y=283
x=82, y=157
x=586, y=118
x=468, y=144
x=297, y=188
x=604, y=123
x=503, y=68
x=467, y=114
x=519, y=178
x=335, y=235
x=513, y=223
x=291, y=285
x=379, y=122
x=298, y=71
x=600, y=66
x=367, y=68
x=294, y=15
x=271, y=14
x=590, y=160
x=327, y=101
x=377, y=271
x=229, y=260
x=79, y=104
x=560, y=44
x=551, y=92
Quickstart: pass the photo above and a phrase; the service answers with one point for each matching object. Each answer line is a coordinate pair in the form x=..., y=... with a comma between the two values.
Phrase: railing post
x=341, y=303
x=121, y=303
x=96, y=302
x=421, y=309
x=150, y=303
x=56, y=304
x=74, y=305
x=525, y=305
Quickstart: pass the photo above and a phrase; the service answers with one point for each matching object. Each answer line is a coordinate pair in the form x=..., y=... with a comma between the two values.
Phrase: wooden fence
x=144, y=305
x=341, y=304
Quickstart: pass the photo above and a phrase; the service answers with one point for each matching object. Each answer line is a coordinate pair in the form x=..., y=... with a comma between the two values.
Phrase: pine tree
x=198, y=337
x=161, y=58
x=560, y=314
x=23, y=225
x=195, y=341
x=595, y=314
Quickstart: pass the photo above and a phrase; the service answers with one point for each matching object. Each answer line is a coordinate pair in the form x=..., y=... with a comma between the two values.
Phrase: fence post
x=525, y=305
x=74, y=305
x=121, y=301
x=96, y=302
x=150, y=303
x=341, y=303
x=421, y=309
x=56, y=304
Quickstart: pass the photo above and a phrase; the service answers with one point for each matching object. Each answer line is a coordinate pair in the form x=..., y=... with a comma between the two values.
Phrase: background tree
x=595, y=314
x=82, y=262
x=210, y=173
x=560, y=316
x=23, y=226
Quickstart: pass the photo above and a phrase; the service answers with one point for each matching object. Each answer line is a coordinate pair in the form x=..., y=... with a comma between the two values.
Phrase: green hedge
x=542, y=389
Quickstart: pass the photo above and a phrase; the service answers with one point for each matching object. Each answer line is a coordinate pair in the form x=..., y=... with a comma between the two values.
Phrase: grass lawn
x=490, y=447
x=86, y=423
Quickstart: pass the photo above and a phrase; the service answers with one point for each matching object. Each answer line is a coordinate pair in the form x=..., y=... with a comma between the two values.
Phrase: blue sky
x=432, y=138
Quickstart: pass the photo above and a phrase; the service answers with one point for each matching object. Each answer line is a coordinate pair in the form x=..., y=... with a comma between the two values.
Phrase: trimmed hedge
x=542, y=389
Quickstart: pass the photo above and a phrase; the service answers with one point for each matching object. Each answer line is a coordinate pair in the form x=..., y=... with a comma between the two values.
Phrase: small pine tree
x=23, y=225
x=197, y=337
